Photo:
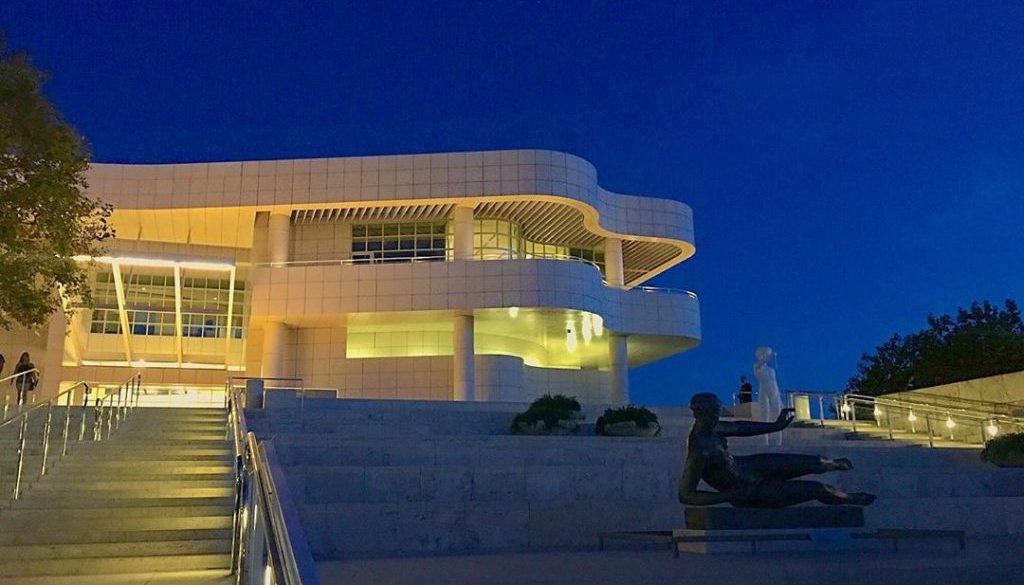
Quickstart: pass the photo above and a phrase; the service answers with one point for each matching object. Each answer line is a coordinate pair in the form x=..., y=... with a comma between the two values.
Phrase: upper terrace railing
x=269, y=544
x=487, y=254
x=891, y=414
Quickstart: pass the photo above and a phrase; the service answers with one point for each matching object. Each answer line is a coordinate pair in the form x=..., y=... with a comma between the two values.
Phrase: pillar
x=462, y=220
x=275, y=335
x=613, y=273
x=464, y=388
x=618, y=359
x=278, y=236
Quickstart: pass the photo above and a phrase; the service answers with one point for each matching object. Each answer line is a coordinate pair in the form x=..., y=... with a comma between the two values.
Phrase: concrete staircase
x=393, y=478
x=157, y=496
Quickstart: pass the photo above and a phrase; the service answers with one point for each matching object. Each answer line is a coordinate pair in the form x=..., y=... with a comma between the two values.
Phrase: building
x=468, y=276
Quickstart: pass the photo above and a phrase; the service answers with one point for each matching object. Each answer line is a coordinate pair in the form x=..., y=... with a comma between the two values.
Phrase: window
x=398, y=242
x=105, y=321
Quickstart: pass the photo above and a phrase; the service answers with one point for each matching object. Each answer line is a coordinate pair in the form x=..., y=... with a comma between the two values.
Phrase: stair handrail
x=988, y=424
x=12, y=378
x=114, y=407
x=22, y=418
x=990, y=406
x=269, y=545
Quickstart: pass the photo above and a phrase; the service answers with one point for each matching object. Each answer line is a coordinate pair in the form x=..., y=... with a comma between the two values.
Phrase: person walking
x=27, y=382
x=746, y=394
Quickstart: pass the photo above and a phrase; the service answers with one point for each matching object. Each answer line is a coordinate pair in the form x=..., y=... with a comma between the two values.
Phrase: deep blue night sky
x=851, y=167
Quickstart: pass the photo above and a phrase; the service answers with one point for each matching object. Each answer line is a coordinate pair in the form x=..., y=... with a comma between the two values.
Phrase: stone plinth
x=728, y=518
x=729, y=530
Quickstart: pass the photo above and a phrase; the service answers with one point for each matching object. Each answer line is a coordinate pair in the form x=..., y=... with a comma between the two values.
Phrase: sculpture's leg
x=791, y=493
x=784, y=466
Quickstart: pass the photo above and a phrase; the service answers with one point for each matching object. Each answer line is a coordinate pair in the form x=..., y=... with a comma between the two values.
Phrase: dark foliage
x=1004, y=449
x=638, y=414
x=549, y=409
x=980, y=341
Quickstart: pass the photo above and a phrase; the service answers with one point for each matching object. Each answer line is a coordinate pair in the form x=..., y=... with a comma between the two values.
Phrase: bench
x=896, y=534
x=667, y=537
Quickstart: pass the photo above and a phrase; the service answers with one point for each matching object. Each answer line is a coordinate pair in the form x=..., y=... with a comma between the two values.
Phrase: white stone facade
x=493, y=276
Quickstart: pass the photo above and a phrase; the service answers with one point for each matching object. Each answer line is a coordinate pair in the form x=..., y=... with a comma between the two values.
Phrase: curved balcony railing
x=480, y=254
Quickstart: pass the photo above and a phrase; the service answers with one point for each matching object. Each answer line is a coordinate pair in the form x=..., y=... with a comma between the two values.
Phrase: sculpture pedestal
x=728, y=530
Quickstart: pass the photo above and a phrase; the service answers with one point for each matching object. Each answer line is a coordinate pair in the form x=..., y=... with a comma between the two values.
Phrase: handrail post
x=110, y=417
x=85, y=412
x=821, y=410
x=888, y=422
x=46, y=437
x=67, y=427
x=21, y=457
x=928, y=423
x=853, y=416
x=7, y=403
x=98, y=422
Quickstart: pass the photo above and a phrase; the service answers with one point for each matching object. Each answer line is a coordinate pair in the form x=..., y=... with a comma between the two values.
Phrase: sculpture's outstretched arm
x=688, y=492
x=749, y=428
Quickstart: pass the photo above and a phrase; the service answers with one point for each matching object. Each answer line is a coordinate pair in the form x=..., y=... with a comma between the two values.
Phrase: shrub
x=1005, y=451
x=642, y=417
x=549, y=409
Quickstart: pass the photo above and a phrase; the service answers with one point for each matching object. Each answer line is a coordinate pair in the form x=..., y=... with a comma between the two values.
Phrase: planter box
x=630, y=429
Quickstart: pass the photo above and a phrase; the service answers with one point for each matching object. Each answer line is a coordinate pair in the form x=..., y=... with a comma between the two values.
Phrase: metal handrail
x=12, y=378
x=987, y=424
x=113, y=408
x=268, y=543
x=23, y=418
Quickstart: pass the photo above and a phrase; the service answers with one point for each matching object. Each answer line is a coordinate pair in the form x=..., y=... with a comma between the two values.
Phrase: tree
x=981, y=341
x=45, y=219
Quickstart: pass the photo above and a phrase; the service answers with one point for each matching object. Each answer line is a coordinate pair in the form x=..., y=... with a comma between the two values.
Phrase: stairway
x=157, y=496
x=397, y=478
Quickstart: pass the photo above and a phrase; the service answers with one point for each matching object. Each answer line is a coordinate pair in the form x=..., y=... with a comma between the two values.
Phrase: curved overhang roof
x=554, y=197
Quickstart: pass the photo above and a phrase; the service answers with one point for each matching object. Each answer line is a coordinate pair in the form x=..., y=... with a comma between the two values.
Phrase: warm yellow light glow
x=992, y=429
x=598, y=324
x=846, y=408
x=571, y=343
x=268, y=576
x=950, y=423
x=912, y=417
x=586, y=325
x=165, y=365
x=878, y=412
x=513, y=312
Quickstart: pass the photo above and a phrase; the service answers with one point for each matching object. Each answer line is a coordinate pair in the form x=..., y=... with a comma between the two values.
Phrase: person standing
x=26, y=382
x=746, y=394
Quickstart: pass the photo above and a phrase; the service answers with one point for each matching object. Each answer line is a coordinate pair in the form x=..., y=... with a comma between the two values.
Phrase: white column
x=464, y=388
x=462, y=220
x=618, y=358
x=278, y=235
x=275, y=335
x=613, y=272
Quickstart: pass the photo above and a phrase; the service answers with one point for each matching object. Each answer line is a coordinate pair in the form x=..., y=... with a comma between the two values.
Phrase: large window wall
x=398, y=242
x=493, y=239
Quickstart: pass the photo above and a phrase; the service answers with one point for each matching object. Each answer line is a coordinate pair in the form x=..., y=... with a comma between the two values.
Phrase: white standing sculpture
x=769, y=400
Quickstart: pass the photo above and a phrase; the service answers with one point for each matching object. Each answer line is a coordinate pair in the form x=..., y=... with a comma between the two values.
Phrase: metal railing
x=486, y=254
x=43, y=433
x=113, y=408
x=269, y=546
x=938, y=420
x=13, y=382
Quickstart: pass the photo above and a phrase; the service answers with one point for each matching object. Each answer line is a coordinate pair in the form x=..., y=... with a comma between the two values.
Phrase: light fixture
x=912, y=417
x=950, y=423
x=846, y=408
x=992, y=429
x=513, y=312
x=878, y=412
x=586, y=324
x=597, y=323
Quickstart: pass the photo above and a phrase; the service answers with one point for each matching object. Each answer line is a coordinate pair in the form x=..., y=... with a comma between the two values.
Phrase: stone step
x=133, y=468
x=39, y=523
x=43, y=489
x=118, y=484
x=116, y=510
x=100, y=550
x=115, y=565
x=31, y=503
